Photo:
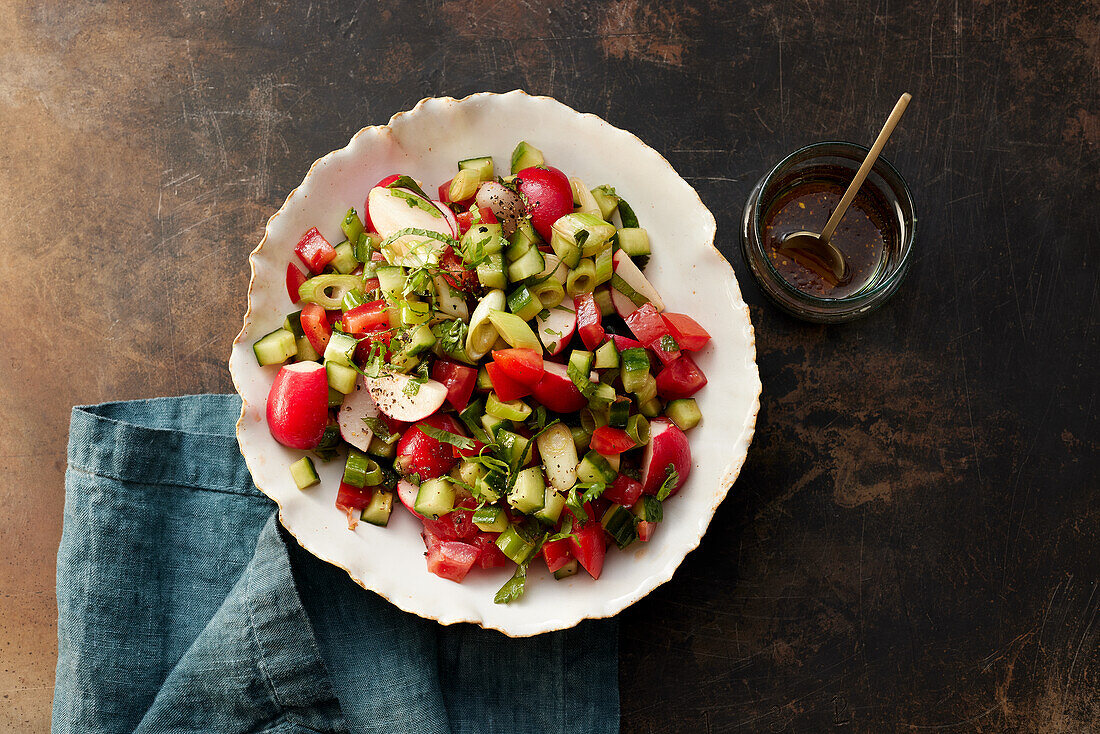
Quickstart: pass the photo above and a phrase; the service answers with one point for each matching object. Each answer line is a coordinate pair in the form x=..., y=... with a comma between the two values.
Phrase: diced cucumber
x=491, y=486
x=525, y=232
x=377, y=512
x=482, y=166
x=491, y=272
x=619, y=523
x=523, y=304
x=581, y=361
x=594, y=468
x=436, y=497
x=293, y=324
x=618, y=411
x=526, y=155
x=513, y=448
x=514, y=546
x=381, y=448
x=634, y=241
x=335, y=398
x=604, y=300
x=340, y=349
x=606, y=199
x=275, y=348
x=635, y=364
x=340, y=377
x=602, y=394
x=483, y=383
x=306, y=352
x=512, y=410
x=529, y=491
x=585, y=231
x=304, y=473
x=518, y=248
x=467, y=472
x=650, y=408
x=491, y=423
x=391, y=280
x=345, y=261
x=491, y=519
x=569, y=569
x=552, y=505
x=684, y=412
x=480, y=240
x=607, y=356
x=421, y=340
x=527, y=266
x=414, y=312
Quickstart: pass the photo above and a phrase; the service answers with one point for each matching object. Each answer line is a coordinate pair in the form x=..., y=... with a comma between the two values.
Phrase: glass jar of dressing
x=875, y=236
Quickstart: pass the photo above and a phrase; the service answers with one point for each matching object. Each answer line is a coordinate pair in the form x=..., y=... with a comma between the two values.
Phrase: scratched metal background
x=913, y=544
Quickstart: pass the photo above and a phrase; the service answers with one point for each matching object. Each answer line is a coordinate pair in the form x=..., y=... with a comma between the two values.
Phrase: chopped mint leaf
x=672, y=480
x=446, y=437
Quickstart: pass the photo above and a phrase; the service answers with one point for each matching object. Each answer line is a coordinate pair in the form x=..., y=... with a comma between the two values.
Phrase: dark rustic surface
x=913, y=544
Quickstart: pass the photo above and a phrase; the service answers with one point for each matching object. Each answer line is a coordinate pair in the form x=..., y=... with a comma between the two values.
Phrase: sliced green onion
x=464, y=185
x=328, y=291
x=637, y=427
x=582, y=279
x=513, y=330
x=549, y=292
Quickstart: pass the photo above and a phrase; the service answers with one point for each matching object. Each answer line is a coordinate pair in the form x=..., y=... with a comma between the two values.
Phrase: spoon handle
x=865, y=168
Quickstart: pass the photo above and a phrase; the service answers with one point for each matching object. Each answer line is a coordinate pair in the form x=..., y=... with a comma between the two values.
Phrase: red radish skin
x=406, y=492
x=549, y=196
x=420, y=454
x=450, y=217
x=557, y=392
x=667, y=446
x=297, y=405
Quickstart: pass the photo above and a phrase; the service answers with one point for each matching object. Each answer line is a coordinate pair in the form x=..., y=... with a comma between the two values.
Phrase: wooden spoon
x=813, y=250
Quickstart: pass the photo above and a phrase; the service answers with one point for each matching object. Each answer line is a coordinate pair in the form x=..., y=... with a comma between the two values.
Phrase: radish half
x=357, y=406
x=633, y=277
x=557, y=328
x=397, y=398
x=668, y=446
x=392, y=210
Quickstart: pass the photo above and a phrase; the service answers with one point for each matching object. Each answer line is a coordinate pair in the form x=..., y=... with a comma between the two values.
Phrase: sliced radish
x=392, y=210
x=633, y=277
x=450, y=217
x=357, y=406
x=406, y=492
x=668, y=446
x=557, y=328
x=399, y=400
x=557, y=392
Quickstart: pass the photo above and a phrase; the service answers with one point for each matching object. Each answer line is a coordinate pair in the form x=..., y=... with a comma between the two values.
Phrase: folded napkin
x=183, y=606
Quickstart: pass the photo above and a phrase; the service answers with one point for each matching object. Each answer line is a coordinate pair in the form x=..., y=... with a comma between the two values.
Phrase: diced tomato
x=680, y=379
x=445, y=191
x=315, y=251
x=393, y=424
x=490, y=557
x=459, y=379
x=351, y=500
x=645, y=529
x=487, y=215
x=611, y=441
x=316, y=327
x=451, y=559
x=294, y=280
x=504, y=386
x=686, y=330
x=625, y=342
x=370, y=284
x=431, y=540
x=522, y=365
x=587, y=546
x=455, y=273
x=623, y=491
x=556, y=553
x=588, y=321
x=653, y=332
x=465, y=219
x=368, y=317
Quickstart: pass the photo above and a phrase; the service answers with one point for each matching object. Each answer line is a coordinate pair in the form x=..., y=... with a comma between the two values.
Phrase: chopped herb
x=592, y=491
x=652, y=511
x=378, y=427
x=565, y=532
x=415, y=202
x=668, y=343
x=406, y=182
x=581, y=237
x=545, y=314
x=672, y=480
x=573, y=502
x=446, y=437
x=514, y=587
x=451, y=335
x=419, y=233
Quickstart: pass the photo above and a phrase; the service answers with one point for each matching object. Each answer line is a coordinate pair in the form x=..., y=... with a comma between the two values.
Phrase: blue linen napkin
x=184, y=607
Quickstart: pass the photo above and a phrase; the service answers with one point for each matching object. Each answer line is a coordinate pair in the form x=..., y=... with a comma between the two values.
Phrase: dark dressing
x=864, y=237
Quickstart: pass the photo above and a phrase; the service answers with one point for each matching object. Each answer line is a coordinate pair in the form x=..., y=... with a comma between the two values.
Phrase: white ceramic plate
x=691, y=275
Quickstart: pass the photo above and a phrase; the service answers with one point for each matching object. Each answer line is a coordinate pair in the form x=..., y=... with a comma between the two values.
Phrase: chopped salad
x=493, y=359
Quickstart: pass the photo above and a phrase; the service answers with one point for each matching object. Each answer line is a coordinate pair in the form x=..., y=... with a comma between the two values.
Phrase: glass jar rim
x=898, y=187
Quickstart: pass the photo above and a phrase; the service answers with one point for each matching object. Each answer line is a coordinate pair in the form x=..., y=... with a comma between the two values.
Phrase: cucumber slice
x=491, y=486
x=304, y=473
x=526, y=155
x=482, y=166
x=480, y=240
x=276, y=347
x=293, y=324
x=345, y=261
x=491, y=423
x=569, y=569
x=618, y=412
x=491, y=272
x=513, y=448
x=518, y=249
x=581, y=361
x=391, y=280
x=422, y=339
x=382, y=449
x=523, y=304
x=584, y=231
x=603, y=298
x=684, y=412
x=529, y=492
x=552, y=505
x=528, y=266
x=619, y=523
x=491, y=519
x=340, y=349
x=435, y=498
x=566, y=250
x=607, y=200
x=525, y=233
x=635, y=363
x=634, y=241
x=377, y=512
x=650, y=408
x=594, y=468
x=341, y=378
x=607, y=356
